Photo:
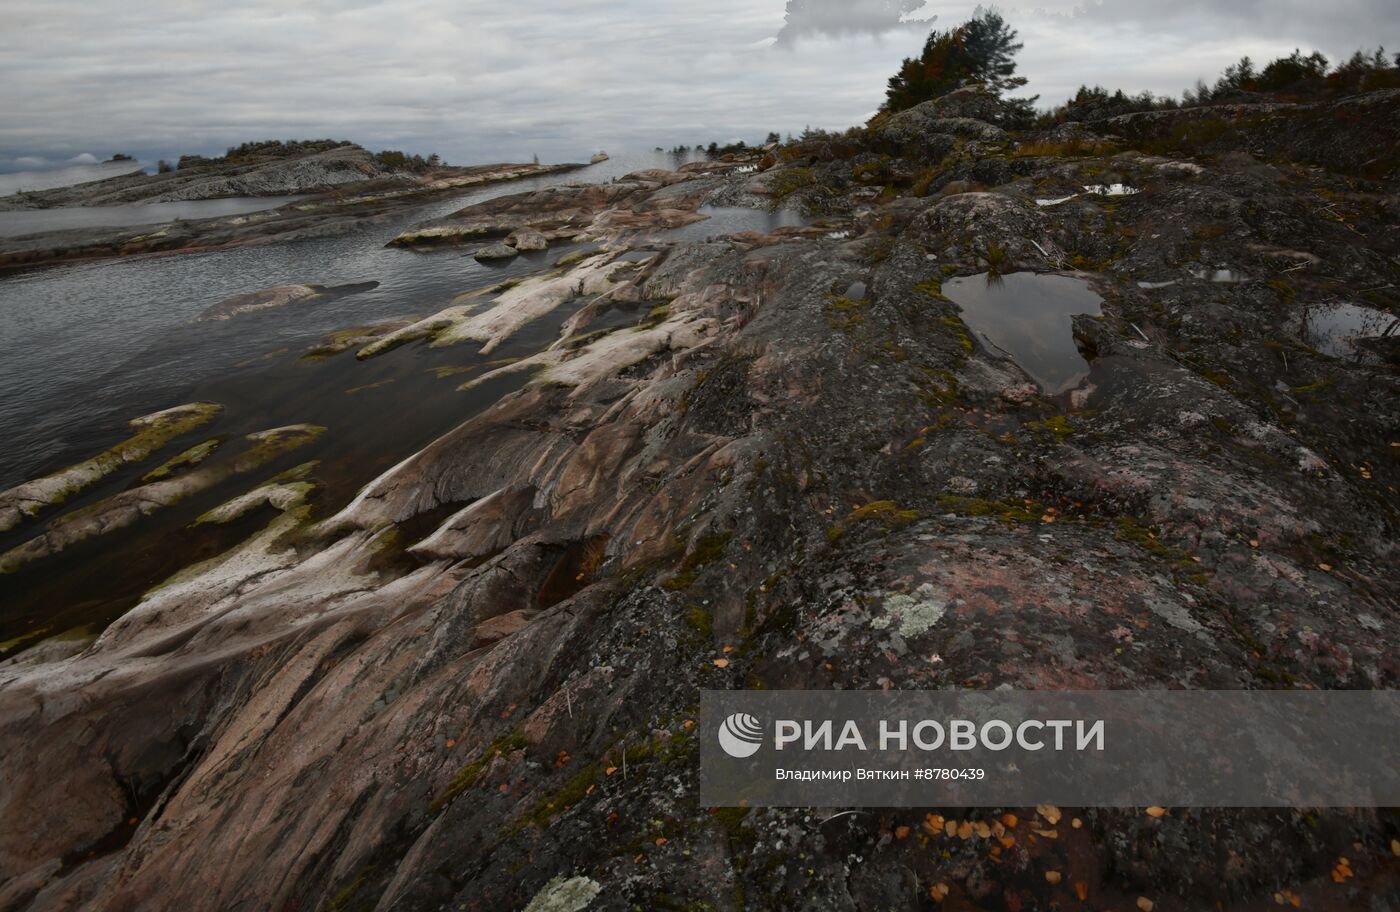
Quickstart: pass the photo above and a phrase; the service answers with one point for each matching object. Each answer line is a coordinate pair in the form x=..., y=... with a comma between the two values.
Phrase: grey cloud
x=480, y=81
x=1338, y=26
x=838, y=18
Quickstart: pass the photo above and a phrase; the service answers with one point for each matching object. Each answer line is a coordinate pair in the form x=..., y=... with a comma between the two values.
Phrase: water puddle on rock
x=1334, y=328
x=1090, y=190
x=1226, y=276
x=1111, y=190
x=1027, y=316
x=722, y=220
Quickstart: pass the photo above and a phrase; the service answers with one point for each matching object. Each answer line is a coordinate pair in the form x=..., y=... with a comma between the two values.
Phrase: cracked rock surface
x=474, y=685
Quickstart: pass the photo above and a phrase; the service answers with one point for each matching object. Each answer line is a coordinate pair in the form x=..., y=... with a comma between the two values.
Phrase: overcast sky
x=481, y=81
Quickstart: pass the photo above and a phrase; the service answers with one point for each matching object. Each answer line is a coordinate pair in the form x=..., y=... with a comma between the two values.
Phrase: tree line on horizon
x=982, y=51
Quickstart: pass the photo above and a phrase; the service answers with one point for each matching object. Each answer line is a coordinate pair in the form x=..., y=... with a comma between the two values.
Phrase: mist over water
x=20, y=181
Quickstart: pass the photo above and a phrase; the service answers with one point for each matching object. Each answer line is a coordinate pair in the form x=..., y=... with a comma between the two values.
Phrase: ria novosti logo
x=741, y=735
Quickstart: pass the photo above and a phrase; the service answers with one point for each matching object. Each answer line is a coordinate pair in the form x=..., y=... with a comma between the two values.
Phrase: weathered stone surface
x=426, y=699
x=496, y=252
x=528, y=239
x=574, y=210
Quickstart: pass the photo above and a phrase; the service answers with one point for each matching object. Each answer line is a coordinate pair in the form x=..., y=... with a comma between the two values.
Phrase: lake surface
x=1027, y=315
x=86, y=347
x=30, y=221
x=17, y=181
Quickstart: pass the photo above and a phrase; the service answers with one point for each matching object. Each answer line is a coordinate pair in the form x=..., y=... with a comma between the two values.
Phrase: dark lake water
x=84, y=348
x=1027, y=315
x=29, y=221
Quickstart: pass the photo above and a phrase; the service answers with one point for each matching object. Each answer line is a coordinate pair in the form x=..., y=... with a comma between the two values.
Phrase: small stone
x=496, y=252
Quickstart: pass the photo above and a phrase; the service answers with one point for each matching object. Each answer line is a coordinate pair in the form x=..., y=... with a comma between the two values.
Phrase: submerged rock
x=279, y=296
x=268, y=298
x=152, y=432
x=124, y=509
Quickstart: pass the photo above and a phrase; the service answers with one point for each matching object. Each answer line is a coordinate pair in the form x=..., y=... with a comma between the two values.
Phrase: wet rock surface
x=475, y=684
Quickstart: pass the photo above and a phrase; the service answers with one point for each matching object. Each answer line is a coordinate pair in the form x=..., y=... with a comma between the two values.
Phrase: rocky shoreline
x=775, y=460
x=340, y=189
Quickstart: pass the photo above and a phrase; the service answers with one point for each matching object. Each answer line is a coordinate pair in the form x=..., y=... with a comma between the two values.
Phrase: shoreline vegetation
x=790, y=458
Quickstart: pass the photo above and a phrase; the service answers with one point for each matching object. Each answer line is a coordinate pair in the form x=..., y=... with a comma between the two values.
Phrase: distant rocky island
x=813, y=457
x=339, y=184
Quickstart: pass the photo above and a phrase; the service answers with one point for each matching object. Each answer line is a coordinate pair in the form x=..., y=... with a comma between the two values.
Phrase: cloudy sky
x=482, y=81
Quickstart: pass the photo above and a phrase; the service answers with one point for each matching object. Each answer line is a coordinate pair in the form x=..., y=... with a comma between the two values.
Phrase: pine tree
x=981, y=50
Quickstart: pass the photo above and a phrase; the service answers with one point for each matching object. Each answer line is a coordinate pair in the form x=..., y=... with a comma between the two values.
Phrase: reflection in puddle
x=1026, y=315
x=1334, y=328
x=1092, y=190
x=1151, y=285
x=1111, y=189
x=1220, y=275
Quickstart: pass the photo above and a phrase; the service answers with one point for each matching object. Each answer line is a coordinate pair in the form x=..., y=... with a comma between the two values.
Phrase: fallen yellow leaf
x=1053, y=876
x=1156, y=811
x=721, y=663
x=1049, y=812
x=1145, y=904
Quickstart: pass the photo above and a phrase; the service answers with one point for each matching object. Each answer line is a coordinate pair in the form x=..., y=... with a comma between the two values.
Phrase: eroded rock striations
x=802, y=463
